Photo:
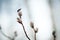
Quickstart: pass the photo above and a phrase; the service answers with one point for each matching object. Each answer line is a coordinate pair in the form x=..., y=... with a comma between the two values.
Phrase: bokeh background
x=42, y=12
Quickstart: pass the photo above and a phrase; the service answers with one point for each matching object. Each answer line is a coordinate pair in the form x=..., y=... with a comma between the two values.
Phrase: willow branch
x=6, y=35
x=20, y=21
x=25, y=31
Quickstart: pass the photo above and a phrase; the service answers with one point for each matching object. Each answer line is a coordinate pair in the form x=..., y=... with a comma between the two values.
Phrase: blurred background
x=44, y=13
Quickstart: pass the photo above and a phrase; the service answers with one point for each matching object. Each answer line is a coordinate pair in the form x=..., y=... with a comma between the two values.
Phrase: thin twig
x=20, y=21
x=34, y=34
x=6, y=35
x=25, y=31
x=35, y=30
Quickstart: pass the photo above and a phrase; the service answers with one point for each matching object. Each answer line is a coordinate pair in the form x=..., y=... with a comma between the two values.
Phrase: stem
x=34, y=34
x=25, y=32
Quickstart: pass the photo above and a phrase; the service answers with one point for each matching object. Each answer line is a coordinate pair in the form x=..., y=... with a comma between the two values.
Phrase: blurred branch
x=15, y=34
x=53, y=20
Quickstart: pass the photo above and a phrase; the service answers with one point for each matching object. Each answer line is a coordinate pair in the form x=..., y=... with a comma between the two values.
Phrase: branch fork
x=19, y=20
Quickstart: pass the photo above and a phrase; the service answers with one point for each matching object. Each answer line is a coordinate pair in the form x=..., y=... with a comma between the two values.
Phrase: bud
x=32, y=24
x=20, y=14
x=18, y=10
x=36, y=30
x=19, y=20
x=15, y=33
